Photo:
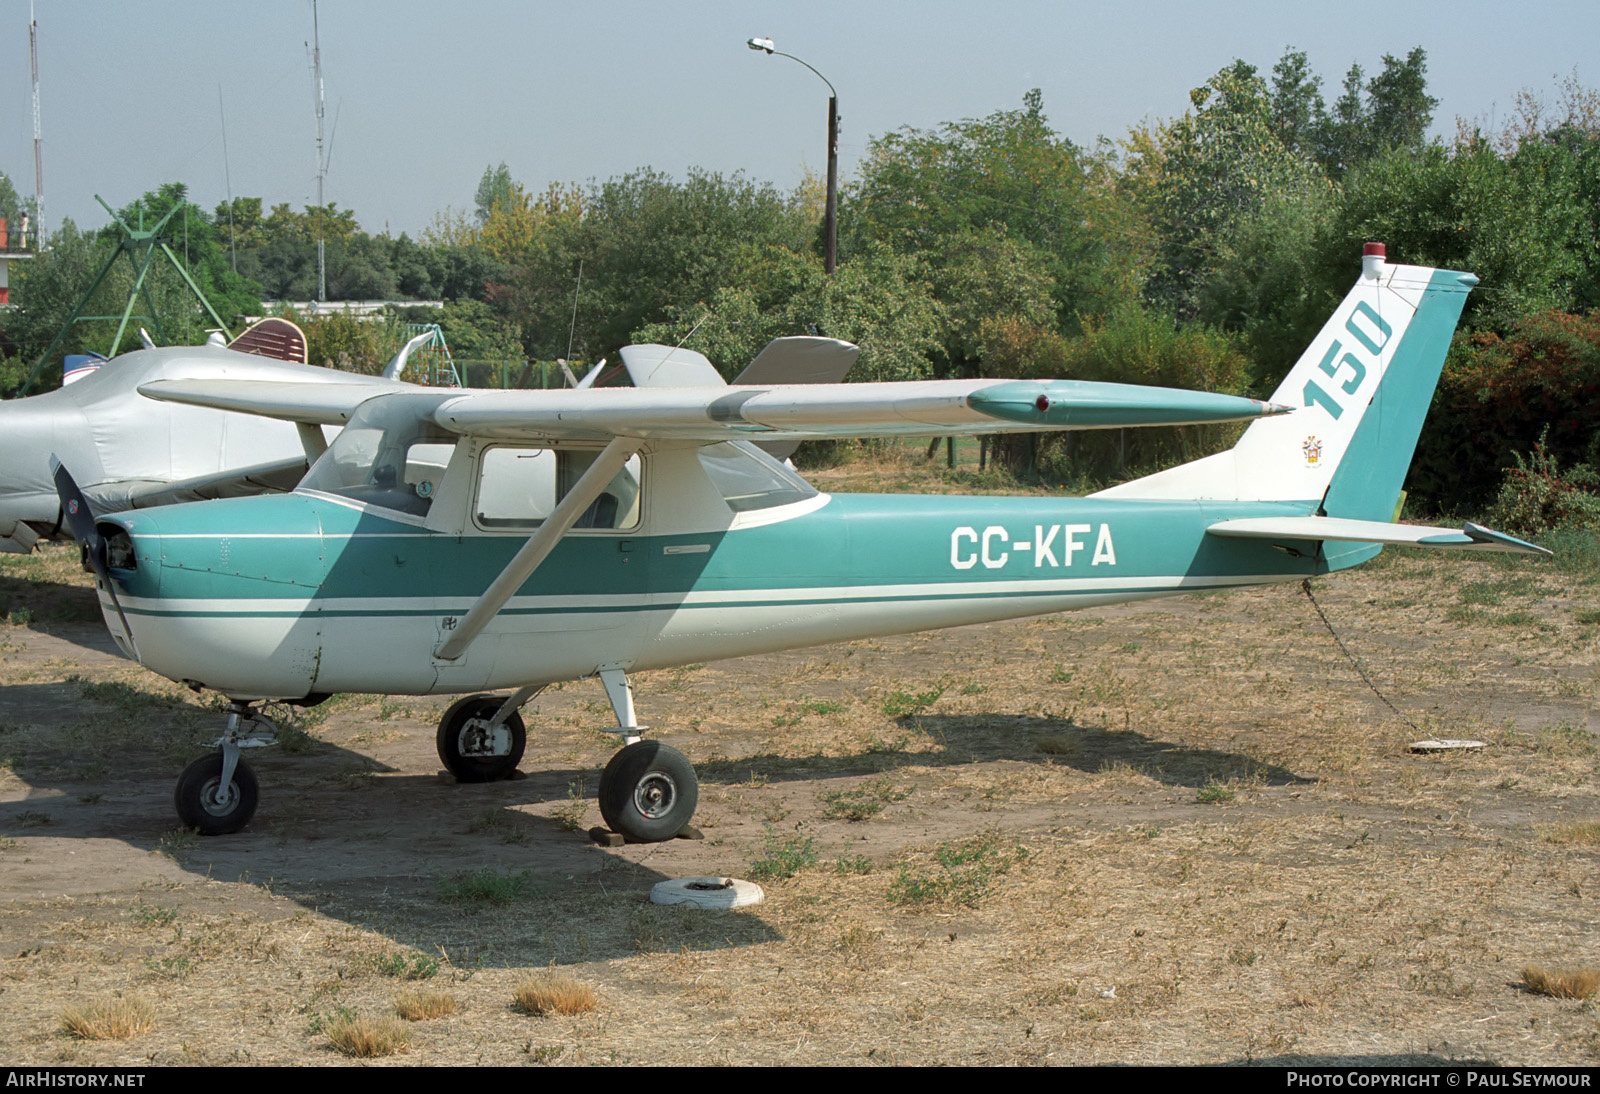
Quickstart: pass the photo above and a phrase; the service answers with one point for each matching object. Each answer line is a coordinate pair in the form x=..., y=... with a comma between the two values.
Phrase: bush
x=1537, y=497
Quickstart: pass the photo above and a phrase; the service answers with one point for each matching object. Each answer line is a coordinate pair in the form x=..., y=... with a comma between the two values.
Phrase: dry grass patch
x=114, y=1018
x=420, y=1006
x=1578, y=832
x=548, y=994
x=1561, y=983
x=365, y=1037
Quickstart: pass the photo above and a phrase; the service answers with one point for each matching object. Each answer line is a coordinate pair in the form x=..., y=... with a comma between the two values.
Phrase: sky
x=421, y=98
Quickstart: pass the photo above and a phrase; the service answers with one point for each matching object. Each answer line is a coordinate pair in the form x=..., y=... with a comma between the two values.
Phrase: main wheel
x=206, y=805
x=470, y=751
x=648, y=791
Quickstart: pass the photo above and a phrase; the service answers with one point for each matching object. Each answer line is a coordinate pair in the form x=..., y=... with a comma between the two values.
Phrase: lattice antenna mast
x=38, y=141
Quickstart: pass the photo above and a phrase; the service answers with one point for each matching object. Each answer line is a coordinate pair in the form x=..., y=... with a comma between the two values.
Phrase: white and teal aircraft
x=456, y=541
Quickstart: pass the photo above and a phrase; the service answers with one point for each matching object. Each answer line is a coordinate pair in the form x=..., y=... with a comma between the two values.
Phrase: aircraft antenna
x=38, y=141
x=573, y=329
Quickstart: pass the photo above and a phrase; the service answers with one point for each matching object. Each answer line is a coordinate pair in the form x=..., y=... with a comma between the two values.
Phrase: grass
x=421, y=1006
x=962, y=872
x=546, y=993
x=1577, y=832
x=1214, y=793
x=364, y=1037
x=485, y=886
x=1561, y=983
x=112, y=1018
x=861, y=802
x=403, y=966
x=905, y=704
x=783, y=858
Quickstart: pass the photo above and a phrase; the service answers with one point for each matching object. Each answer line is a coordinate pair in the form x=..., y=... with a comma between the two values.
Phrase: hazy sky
x=422, y=97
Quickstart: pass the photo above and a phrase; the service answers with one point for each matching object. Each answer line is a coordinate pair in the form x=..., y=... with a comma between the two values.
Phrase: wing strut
x=566, y=513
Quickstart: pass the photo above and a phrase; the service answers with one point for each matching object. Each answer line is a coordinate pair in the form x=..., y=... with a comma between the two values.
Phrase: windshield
x=392, y=454
x=750, y=479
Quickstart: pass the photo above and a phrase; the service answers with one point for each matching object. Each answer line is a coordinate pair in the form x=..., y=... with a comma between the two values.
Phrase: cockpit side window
x=518, y=488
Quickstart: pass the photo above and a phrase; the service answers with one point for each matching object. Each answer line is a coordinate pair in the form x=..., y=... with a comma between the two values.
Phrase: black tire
x=648, y=791
x=455, y=745
x=204, y=806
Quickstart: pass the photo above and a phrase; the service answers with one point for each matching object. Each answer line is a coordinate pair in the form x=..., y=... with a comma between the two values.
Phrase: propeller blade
x=80, y=518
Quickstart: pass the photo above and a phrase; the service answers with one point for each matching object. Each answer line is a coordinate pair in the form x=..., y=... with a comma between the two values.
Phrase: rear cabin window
x=518, y=488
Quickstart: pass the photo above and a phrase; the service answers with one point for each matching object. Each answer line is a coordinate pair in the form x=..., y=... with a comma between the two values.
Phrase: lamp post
x=831, y=217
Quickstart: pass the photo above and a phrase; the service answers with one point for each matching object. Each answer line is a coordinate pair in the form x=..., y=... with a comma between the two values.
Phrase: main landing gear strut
x=648, y=792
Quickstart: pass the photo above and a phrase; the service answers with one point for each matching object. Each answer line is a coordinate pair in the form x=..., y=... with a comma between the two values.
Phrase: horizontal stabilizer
x=802, y=359
x=1469, y=537
x=658, y=366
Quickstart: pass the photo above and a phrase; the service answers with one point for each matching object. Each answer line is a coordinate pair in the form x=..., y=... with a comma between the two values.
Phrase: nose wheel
x=215, y=802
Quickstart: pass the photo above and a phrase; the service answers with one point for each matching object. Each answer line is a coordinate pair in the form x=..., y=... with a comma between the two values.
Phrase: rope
x=1305, y=587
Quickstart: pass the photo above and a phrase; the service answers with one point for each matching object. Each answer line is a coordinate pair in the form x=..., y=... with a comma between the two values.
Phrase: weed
x=853, y=864
x=485, y=886
x=1566, y=739
x=113, y=1018
x=400, y=966
x=547, y=993
x=822, y=706
x=783, y=857
x=364, y=1038
x=1561, y=983
x=861, y=802
x=543, y=1054
x=964, y=873
x=903, y=704
x=420, y=1006
x=1214, y=793
x=31, y=819
x=21, y=617
x=147, y=916
x=570, y=816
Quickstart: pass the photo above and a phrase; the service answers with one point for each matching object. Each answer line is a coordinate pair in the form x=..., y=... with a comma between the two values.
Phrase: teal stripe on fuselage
x=210, y=552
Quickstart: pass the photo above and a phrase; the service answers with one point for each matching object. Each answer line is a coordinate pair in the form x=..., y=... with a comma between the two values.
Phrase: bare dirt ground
x=1179, y=832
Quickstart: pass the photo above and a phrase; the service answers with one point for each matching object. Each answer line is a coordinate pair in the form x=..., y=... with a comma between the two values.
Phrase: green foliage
x=1133, y=345
x=1537, y=496
x=783, y=858
x=403, y=966
x=961, y=872
x=486, y=886
x=863, y=801
x=1534, y=387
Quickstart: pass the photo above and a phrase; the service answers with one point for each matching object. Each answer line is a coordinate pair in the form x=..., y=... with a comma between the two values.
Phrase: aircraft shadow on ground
x=964, y=739
x=425, y=862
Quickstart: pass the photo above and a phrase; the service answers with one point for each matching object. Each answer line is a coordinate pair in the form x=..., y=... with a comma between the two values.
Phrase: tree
x=494, y=189
x=1218, y=165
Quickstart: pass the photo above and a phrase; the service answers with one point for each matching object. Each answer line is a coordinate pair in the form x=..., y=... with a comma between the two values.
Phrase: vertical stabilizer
x=1363, y=387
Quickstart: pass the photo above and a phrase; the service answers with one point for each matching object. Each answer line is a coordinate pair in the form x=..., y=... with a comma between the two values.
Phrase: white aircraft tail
x=1363, y=387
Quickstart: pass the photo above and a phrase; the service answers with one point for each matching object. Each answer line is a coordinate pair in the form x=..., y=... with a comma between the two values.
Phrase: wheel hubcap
x=477, y=741
x=217, y=801
x=655, y=795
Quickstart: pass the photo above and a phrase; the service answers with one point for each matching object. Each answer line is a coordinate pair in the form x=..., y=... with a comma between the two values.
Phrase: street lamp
x=831, y=217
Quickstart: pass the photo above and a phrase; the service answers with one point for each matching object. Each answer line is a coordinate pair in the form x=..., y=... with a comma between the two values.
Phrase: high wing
x=705, y=413
x=290, y=401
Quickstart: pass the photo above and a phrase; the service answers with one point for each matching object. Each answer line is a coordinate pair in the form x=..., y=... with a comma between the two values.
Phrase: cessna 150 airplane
x=461, y=541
